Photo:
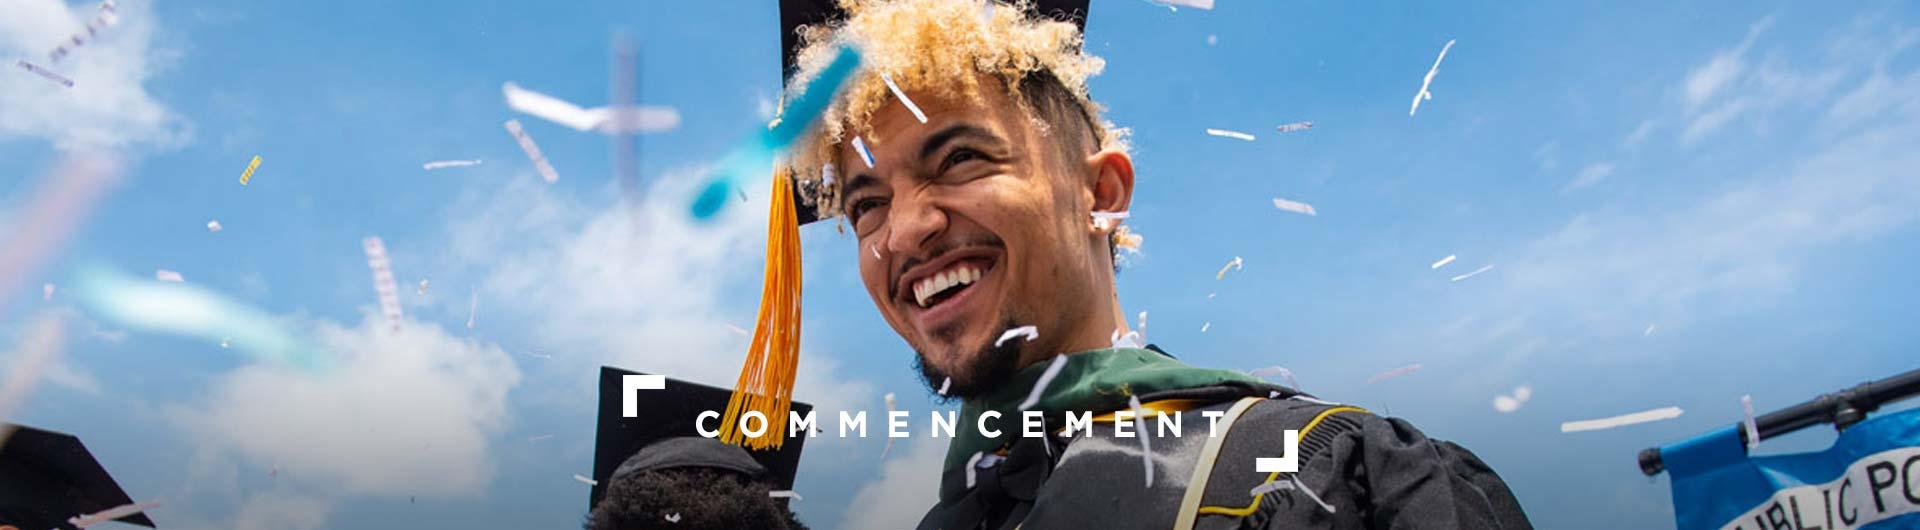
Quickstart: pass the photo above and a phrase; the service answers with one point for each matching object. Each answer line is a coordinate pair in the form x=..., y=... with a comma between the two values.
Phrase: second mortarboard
x=662, y=435
x=49, y=477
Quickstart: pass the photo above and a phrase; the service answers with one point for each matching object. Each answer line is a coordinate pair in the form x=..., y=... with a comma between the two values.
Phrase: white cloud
x=907, y=487
x=1590, y=175
x=1708, y=79
x=108, y=105
x=406, y=412
x=284, y=511
x=1640, y=133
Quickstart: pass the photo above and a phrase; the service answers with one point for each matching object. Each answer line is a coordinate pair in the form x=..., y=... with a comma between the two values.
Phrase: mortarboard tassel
x=766, y=382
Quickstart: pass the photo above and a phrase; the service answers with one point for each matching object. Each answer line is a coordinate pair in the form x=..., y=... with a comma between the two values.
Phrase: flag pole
x=1842, y=409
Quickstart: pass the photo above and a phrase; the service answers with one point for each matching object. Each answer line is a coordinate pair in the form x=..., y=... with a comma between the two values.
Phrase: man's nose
x=914, y=220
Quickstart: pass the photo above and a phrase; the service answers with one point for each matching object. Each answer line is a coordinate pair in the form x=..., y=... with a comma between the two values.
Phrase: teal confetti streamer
x=758, y=153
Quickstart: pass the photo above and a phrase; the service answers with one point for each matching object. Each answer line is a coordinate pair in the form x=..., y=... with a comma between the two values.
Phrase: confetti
x=1295, y=207
x=739, y=330
x=46, y=291
x=1029, y=331
x=101, y=20
x=214, y=226
x=383, y=284
x=1102, y=220
x=533, y=151
x=945, y=384
x=1423, y=93
x=1196, y=4
x=1040, y=385
x=539, y=438
x=1291, y=482
x=1281, y=371
x=1442, y=263
x=438, y=164
x=540, y=355
x=247, y=175
x=865, y=155
x=422, y=291
x=42, y=72
x=619, y=119
x=1753, y=429
x=585, y=480
x=1213, y=39
x=109, y=514
x=915, y=109
x=1472, y=274
x=1127, y=240
x=1505, y=403
x=1130, y=340
x=876, y=250
x=752, y=156
x=1224, y=133
x=1204, y=326
x=473, y=306
x=1231, y=265
x=1396, y=372
x=168, y=276
x=1648, y=332
x=1143, y=325
x=673, y=518
x=1622, y=420
x=1140, y=425
x=785, y=494
x=1211, y=295
x=223, y=343
x=1294, y=127
x=890, y=409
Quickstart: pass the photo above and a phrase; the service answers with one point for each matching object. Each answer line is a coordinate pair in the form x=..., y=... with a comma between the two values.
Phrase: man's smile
x=935, y=295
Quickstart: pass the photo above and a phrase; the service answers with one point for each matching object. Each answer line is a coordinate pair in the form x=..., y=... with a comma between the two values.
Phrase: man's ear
x=1112, y=186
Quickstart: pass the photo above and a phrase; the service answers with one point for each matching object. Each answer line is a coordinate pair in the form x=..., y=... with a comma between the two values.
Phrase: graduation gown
x=1358, y=470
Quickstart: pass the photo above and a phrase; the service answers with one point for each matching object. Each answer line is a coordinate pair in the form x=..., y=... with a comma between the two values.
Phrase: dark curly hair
x=700, y=498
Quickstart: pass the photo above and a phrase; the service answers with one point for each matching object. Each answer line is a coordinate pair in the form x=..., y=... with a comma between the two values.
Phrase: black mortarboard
x=797, y=13
x=662, y=435
x=47, y=477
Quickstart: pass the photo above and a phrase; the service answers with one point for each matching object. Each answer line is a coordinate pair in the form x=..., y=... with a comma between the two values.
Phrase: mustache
x=944, y=247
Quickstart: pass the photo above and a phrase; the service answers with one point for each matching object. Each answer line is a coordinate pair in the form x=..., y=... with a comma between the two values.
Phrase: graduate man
x=985, y=193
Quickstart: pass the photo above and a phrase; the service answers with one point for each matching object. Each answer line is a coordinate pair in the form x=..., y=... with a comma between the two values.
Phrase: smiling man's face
x=981, y=223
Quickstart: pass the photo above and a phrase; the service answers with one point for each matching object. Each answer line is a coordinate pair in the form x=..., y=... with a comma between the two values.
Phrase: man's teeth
x=948, y=279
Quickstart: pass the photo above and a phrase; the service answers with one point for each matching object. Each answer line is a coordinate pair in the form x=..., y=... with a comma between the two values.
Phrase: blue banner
x=1870, y=478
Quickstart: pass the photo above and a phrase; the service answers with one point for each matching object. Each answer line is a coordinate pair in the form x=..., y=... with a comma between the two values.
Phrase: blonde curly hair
x=941, y=47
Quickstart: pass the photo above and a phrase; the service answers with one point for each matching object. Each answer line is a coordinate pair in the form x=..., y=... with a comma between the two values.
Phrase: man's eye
x=862, y=206
x=961, y=155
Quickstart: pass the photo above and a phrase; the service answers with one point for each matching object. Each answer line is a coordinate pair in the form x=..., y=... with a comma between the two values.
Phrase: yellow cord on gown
x=766, y=381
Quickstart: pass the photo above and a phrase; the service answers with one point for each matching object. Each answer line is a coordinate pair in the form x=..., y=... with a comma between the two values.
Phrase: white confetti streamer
x=1224, y=133
x=1211, y=295
x=422, y=290
x=101, y=20
x=473, y=305
x=1294, y=127
x=46, y=291
x=42, y=72
x=533, y=151
x=860, y=146
x=1143, y=326
x=1752, y=428
x=1281, y=371
x=1234, y=264
x=1030, y=332
x=622, y=119
x=890, y=408
x=438, y=164
x=1648, y=332
x=673, y=518
x=540, y=437
x=1196, y=4
x=1130, y=340
x=1140, y=428
x=1475, y=272
x=1622, y=420
x=739, y=330
x=1295, y=207
x=915, y=109
x=109, y=514
x=383, y=284
x=785, y=494
x=876, y=250
x=1423, y=93
x=168, y=276
x=1204, y=326
x=1396, y=372
x=973, y=463
x=945, y=384
x=1442, y=263
x=540, y=355
x=585, y=480
x=1040, y=385
x=1102, y=220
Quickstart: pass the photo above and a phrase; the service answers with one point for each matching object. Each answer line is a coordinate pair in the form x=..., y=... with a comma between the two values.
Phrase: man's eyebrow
x=954, y=132
x=859, y=180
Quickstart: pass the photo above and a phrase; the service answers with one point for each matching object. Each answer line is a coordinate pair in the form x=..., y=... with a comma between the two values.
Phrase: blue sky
x=1682, y=205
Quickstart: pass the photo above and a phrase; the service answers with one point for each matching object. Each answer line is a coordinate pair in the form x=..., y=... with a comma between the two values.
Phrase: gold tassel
x=766, y=382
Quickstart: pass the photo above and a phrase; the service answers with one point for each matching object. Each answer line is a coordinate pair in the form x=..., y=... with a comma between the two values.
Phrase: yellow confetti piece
x=248, y=175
